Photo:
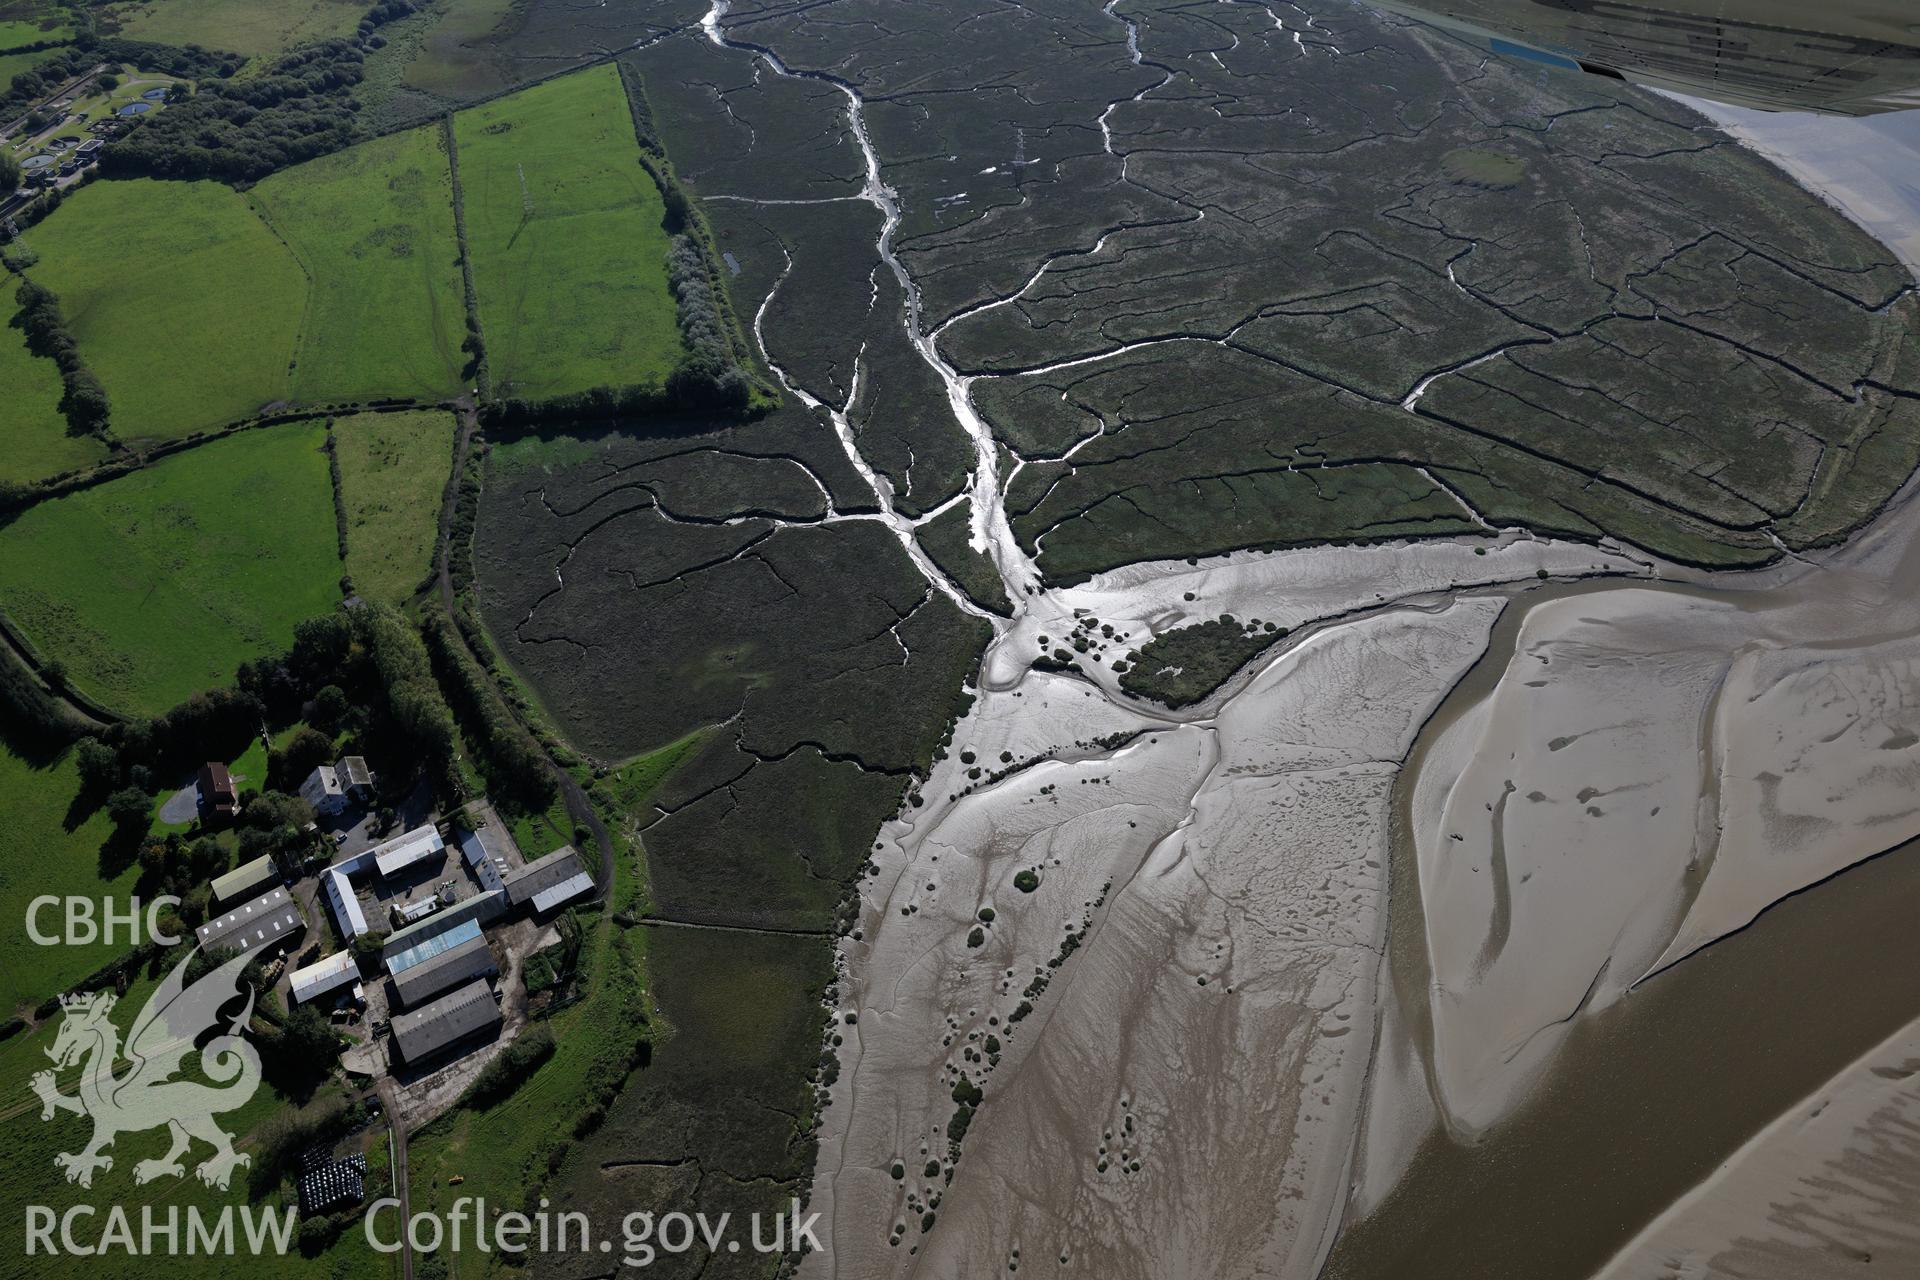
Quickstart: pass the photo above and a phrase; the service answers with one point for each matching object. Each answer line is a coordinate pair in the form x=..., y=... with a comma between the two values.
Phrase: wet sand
x=1592, y=1007
x=1214, y=1023
x=1655, y=1092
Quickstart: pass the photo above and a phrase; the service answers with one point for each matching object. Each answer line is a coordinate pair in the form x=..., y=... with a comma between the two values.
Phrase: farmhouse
x=245, y=882
x=322, y=790
x=355, y=778
x=330, y=788
x=453, y=1018
x=218, y=800
x=257, y=926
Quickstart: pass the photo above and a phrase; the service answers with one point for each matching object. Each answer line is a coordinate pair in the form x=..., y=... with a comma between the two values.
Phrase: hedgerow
x=84, y=401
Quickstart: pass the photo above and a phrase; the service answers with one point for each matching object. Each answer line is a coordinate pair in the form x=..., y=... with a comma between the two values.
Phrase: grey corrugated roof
x=471, y=959
x=253, y=926
x=566, y=891
x=558, y=867
x=448, y=1020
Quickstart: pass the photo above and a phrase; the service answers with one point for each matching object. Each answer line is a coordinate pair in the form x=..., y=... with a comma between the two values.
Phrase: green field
x=373, y=227
x=12, y=64
x=38, y=854
x=183, y=302
x=261, y=28
x=337, y=280
x=160, y=583
x=564, y=227
x=32, y=24
x=34, y=443
x=393, y=470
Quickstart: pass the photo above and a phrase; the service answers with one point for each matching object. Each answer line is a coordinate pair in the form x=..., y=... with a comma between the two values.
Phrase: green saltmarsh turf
x=160, y=583
x=564, y=227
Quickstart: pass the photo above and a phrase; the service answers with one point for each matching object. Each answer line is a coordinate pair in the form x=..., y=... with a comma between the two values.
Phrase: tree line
x=83, y=400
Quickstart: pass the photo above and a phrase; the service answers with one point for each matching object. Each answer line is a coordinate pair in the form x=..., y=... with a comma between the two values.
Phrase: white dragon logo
x=147, y=1096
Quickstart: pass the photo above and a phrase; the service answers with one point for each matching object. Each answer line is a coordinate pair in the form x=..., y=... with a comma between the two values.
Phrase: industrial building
x=483, y=853
x=337, y=887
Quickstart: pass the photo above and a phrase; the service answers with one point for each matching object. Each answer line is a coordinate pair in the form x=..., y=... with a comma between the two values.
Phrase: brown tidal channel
x=1649, y=1096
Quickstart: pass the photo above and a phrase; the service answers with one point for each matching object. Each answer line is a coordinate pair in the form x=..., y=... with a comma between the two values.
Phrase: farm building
x=481, y=908
x=403, y=851
x=256, y=926
x=446, y=1022
x=548, y=882
x=245, y=882
x=483, y=852
x=461, y=963
x=342, y=902
x=323, y=976
x=218, y=799
x=322, y=790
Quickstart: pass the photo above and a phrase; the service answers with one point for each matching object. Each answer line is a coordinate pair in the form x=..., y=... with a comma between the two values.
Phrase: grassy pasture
x=38, y=854
x=32, y=22
x=373, y=227
x=13, y=34
x=160, y=583
x=565, y=231
x=183, y=302
x=12, y=64
x=393, y=469
x=259, y=28
x=34, y=443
